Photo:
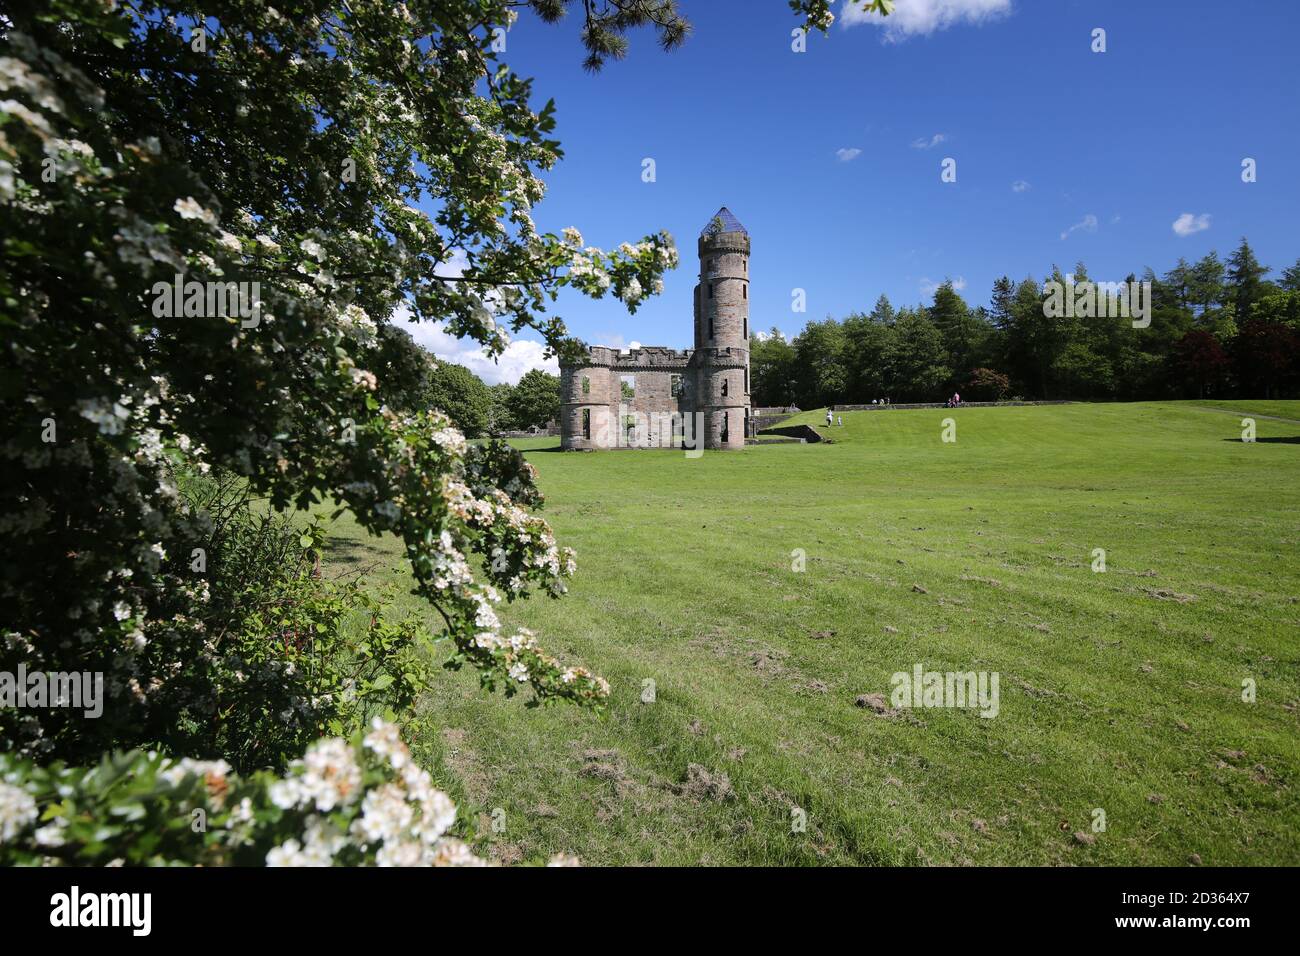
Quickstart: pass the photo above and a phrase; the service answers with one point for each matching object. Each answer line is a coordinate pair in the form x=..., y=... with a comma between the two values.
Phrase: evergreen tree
x=1004, y=295
x=1291, y=278
x=1179, y=281
x=1245, y=278
x=1206, y=290
x=965, y=336
x=883, y=313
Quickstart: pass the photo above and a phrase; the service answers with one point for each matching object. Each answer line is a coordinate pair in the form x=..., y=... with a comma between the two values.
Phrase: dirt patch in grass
x=701, y=785
x=466, y=764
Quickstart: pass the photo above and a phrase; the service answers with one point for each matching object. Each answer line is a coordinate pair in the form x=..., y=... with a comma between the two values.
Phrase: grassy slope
x=1276, y=409
x=1110, y=693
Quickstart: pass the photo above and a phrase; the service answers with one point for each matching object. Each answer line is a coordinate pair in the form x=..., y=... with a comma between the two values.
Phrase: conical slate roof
x=728, y=222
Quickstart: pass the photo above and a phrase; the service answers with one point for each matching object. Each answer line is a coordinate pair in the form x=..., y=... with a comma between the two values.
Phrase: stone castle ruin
x=653, y=397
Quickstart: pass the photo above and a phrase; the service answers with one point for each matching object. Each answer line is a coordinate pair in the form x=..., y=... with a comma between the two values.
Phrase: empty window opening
x=726, y=432
x=675, y=386
x=586, y=424
x=627, y=387
x=724, y=385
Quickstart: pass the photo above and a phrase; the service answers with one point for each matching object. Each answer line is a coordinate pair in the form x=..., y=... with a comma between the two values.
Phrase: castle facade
x=654, y=397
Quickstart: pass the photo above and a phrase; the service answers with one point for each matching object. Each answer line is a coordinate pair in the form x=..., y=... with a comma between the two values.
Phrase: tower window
x=586, y=424
x=746, y=324
x=675, y=386
x=586, y=385
x=710, y=290
x=746, y=381
x=710, y=326
x=726, y=431
x=744, y=291
x=724, y=386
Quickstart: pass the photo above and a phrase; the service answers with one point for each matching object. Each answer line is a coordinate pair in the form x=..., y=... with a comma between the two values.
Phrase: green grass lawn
x=1120, y=691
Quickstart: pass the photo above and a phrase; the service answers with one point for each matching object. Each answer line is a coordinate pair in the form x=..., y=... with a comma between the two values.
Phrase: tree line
x=476, y=409
x=1217, y=329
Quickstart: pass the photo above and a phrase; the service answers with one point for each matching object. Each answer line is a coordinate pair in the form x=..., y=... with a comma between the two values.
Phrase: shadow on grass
x=336, y=551
x=1293, y=440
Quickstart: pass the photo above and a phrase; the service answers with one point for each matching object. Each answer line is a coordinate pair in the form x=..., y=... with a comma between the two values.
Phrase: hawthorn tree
x=210, y=214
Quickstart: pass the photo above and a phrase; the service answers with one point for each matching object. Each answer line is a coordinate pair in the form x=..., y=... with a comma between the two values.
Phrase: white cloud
x=923, y=17
x=847, y=155
x=1187, y=224
x=1087, y=224
x=520, y=356
x=923, y=143
x=928, y=287
x=1020, y=186
x=613, y=340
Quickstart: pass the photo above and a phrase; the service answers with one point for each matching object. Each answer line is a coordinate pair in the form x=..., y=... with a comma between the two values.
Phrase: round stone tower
x=586, y=400
x=722, y=332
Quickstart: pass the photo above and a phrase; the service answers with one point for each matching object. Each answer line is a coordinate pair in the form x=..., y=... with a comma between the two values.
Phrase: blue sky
x=1110, y=150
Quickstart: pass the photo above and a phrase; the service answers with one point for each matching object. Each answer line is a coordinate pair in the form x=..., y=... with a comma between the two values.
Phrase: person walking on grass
x=829, y=418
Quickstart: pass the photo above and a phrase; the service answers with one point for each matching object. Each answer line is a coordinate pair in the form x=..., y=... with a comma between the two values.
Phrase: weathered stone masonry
x=711, y=380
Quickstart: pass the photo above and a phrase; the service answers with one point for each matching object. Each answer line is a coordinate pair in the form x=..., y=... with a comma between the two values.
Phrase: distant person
x=873, y=401
x=839, y=420
x=829, y=418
